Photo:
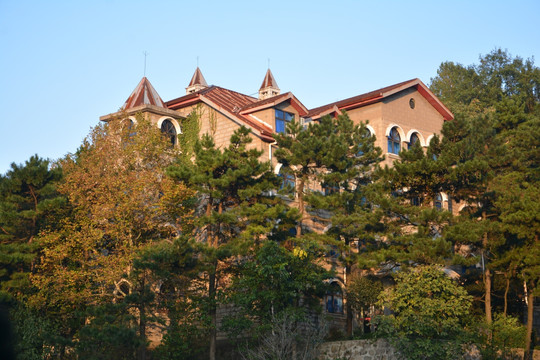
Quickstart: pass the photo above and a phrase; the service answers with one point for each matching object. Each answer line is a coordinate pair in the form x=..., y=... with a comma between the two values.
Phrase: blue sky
x=65, y=63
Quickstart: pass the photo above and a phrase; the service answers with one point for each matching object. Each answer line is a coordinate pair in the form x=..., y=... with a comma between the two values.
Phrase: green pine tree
x=230, y=184
x=347, y=174
x=29, y=204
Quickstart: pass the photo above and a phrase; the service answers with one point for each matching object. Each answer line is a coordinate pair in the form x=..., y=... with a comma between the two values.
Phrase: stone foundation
x=357, y=350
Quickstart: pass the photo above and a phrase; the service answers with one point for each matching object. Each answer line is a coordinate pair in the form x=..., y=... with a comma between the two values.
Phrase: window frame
x=333, y=300
x=173, y=138
x=288, y=180
x=413, y=140
x=282, y=118
x=394, y=141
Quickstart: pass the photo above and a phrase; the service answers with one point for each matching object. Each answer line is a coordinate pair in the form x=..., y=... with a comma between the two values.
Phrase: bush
x=507, y=334
x=430, y=314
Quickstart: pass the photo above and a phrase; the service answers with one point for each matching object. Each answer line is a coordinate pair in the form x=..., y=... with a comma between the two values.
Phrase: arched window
x=438, y=202
x=334, y=299
x=394, y=142
x=288, y=180
x=168, y=129
x=128, y=130
x=414, y=140
x=366, y=134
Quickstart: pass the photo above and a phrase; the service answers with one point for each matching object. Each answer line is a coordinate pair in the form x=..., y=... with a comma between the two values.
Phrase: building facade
x=398, y=116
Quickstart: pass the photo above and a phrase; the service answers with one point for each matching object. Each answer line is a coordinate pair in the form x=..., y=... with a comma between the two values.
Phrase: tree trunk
x=487, y=283
x=487, y=279
x=301, y=207
x=212, y=313
x=141, y=352
x=212, y=286
x=349, y=320
x=506, y=289
x=528, y=353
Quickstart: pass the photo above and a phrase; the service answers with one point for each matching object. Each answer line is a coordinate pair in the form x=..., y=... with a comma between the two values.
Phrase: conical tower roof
x=197, y=82
x=269, y=86
x=269, y=81
x=198, y=78
x=144, y=94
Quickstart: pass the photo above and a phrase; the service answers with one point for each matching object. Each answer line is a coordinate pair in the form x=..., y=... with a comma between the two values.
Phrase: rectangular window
x=282, y=117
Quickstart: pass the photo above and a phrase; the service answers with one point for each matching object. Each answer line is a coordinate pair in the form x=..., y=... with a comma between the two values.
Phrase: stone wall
x=357, y=350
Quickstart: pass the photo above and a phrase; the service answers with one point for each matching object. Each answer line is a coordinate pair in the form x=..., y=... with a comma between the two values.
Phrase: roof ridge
x=264, y=101
x=374, y=92
x=236, y=92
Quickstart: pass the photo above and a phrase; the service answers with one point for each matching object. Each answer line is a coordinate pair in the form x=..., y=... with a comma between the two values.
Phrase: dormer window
x=282, y=118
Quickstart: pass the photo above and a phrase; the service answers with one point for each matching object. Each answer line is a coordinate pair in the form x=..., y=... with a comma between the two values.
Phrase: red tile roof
x=144, y=94
x=273, y=101
x=239, y=107
x=226, y=101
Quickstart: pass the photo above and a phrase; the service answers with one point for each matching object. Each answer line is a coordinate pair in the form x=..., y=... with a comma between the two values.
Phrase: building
x=398, y=116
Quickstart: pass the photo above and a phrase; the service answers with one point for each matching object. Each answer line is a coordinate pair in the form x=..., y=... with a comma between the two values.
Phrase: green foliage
x=477, y=88
x=363, y=292
x=491, y=155
x=507, y=334
x=186, y=335
x=35, y=336
x=275, y=280
x=234, y=209
x=29, y=204
x=430, y=313
x=415, y=225
x=102, y=247
x=191, y=127
x=110, y=332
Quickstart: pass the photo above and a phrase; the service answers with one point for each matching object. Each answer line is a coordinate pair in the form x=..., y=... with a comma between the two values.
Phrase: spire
x=269, y=86
x=197, y=82
x=144, y=94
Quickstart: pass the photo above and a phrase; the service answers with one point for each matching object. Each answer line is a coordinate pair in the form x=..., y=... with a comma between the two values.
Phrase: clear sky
x=65, y=63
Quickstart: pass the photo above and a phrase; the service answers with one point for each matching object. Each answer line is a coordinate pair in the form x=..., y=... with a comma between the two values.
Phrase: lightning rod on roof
x=269, y=63
x=145, y=53
x=197, y=60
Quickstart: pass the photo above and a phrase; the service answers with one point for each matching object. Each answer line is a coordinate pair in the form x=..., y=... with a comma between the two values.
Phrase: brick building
x=399, y=115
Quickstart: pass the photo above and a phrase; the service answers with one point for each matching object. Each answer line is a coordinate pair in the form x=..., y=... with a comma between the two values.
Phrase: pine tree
x=489, y=149
x=29, y=204
x=300, y=152
x=229, y=184
x=348, y=161
x=415, y=222
x=518, y=199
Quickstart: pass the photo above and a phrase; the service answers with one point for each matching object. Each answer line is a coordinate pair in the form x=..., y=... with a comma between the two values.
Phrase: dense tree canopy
x=131, y=242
